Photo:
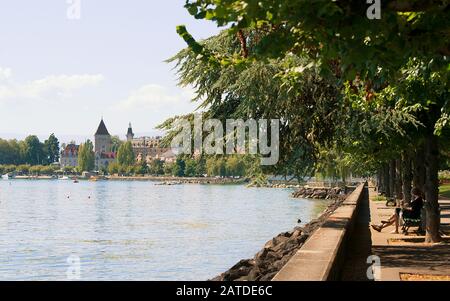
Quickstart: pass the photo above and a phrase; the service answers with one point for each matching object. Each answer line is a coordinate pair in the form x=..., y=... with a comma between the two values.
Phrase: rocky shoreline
x=276, y=252
x=322, y=193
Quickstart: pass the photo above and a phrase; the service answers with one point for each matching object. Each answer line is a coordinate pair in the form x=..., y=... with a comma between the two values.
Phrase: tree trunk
x=392, y=179
x=379, y=181
x=386, y=190
x=432, y=189
x=406, y=177
x=419, y=169
x=398, y=180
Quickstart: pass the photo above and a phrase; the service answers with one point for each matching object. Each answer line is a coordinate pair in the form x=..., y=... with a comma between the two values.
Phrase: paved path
x=406, y=254
x=360, y=246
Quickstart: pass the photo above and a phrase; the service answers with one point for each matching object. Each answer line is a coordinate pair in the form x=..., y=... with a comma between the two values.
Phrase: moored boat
x=8, y=176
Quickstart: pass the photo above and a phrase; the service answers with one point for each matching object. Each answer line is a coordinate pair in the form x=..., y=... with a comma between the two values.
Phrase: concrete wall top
x=316, y=258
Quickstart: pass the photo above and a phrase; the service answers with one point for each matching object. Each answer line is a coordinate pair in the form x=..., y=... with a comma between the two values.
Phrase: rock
x=296, y=233
x=254, y=274
x=319, y=194
x=218, y=278
x=268, y=277
x=277, y=251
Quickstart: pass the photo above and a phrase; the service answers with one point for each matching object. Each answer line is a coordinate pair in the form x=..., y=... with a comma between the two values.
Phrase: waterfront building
x=103, y=147
x=103, y=153
x=69, y=156
x=149, y=148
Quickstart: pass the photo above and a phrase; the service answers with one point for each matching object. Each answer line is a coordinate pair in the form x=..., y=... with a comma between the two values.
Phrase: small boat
x=64, y=178
x=7, y=176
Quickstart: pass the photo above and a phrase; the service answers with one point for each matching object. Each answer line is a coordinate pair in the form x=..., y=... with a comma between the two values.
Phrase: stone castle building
x=103, y=147
x=102, y=150
x=144, y=148
x=148, y=148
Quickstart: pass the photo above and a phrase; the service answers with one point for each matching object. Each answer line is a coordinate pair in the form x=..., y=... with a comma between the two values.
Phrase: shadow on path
x=359, y=246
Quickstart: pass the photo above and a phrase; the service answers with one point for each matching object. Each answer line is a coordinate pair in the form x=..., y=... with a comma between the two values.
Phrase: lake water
x=137, y=230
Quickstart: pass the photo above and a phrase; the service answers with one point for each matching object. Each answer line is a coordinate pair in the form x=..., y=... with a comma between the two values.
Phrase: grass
x=445, y=190
x=379, y=199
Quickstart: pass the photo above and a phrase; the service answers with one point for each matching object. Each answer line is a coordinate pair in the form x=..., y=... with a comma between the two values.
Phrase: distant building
x=103, y=147
x=148, y=148
x=69, y=156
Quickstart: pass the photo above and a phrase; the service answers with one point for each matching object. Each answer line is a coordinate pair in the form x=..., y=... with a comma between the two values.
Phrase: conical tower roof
x=102, y=130
x=130, y=130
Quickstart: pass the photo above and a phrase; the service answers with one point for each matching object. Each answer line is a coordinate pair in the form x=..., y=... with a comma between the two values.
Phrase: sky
x=62, y=68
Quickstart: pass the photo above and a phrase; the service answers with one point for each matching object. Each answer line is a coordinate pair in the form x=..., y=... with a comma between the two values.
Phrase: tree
x=168, y=168
x=191, y=168
x=125, y=155
x=23, y=169
x=178, y=169
x=156, y=167
x=10, y=152
x=369, y=57
x=115, y=143
x=142, y=168
x=34, y=151
x=113, y=168
x=51, y=147
x=235, y=166
x=86, y=157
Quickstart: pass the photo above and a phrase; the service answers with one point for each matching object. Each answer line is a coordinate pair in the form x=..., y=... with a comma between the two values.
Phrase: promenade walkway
x=402, y=257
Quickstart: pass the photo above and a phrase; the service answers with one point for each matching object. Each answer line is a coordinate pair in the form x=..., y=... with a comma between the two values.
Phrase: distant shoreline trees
x=29, y=151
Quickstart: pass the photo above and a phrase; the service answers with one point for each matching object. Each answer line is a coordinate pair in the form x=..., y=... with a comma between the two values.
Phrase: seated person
x=412, y=212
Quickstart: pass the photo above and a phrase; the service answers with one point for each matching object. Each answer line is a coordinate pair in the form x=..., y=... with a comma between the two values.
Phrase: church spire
x=130, y=134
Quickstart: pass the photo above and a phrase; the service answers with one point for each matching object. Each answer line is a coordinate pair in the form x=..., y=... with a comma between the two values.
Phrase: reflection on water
x=137, y=230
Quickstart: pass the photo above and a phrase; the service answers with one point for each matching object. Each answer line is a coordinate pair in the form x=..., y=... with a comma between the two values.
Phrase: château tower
x=102, y=139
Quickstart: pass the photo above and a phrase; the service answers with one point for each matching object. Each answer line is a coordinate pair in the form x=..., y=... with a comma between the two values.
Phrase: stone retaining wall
x=322, y=255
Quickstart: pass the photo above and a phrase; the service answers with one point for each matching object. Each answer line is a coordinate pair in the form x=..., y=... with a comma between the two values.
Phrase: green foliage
x=156, y=167
x=178, y=169
x=12, y=152
x=445, y=191
x=51, y=149
x=191, y=168
x=23, y=169
x=333, y=30
x=113, y=168
x=168, y=168
x=34, y=151
x=125, y=155
x=141, y=168
x=380, y=199
x=86, y=157
x=4, y=169
x=115, y=143
x=30, y=151
x=444, y=175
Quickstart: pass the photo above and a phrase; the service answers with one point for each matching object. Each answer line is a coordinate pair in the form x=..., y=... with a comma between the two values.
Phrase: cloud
x=5, y=73
x=156, y=97
x=50, y=86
